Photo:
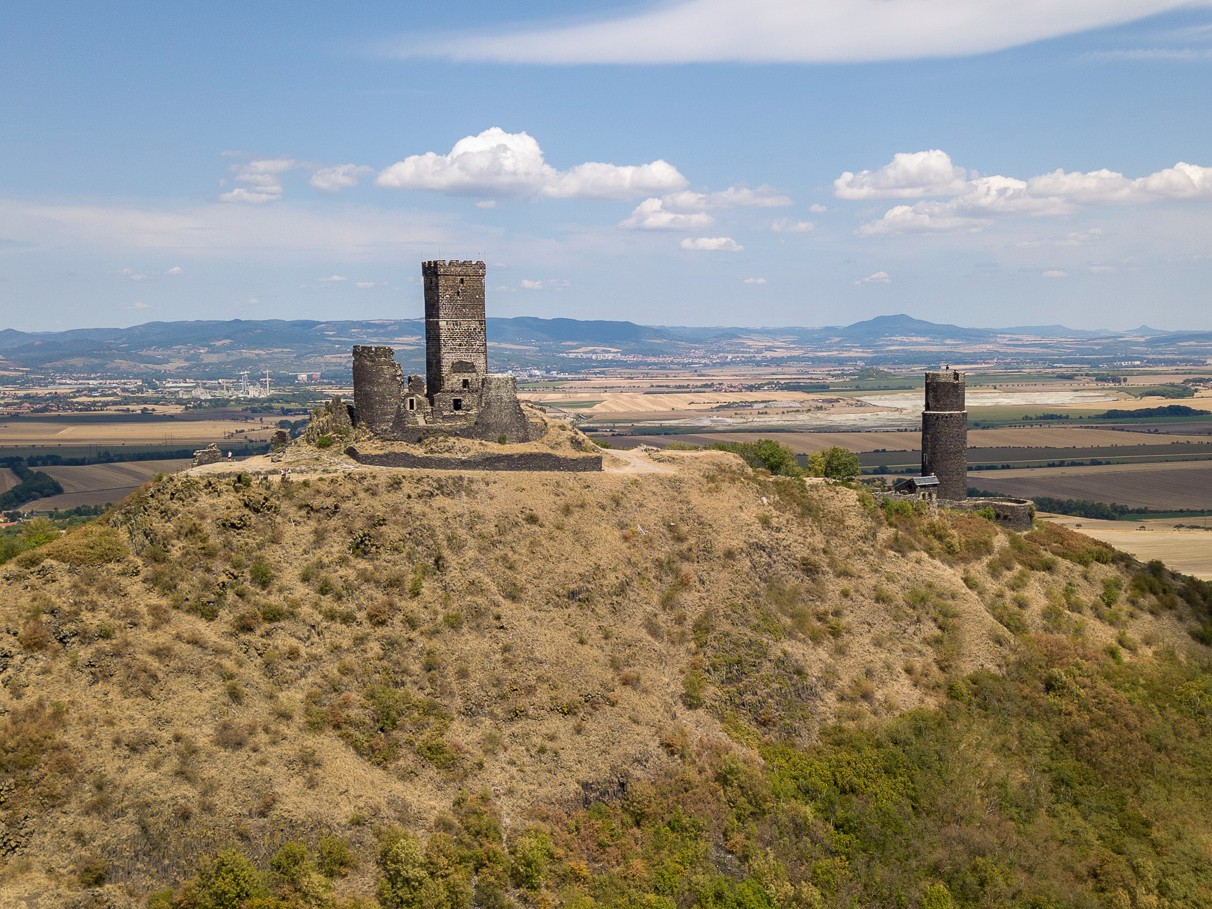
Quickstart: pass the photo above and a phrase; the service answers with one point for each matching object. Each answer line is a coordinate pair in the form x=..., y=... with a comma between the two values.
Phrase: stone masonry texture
x=945, y=434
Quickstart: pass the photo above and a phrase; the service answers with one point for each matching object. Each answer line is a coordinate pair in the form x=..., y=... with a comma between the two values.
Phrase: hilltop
x=678, y=679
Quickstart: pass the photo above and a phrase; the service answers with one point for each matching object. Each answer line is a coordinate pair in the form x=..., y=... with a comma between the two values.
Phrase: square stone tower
x=456, y=343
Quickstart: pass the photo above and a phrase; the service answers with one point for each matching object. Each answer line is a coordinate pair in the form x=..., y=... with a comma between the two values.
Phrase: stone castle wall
x=945, y=434
x=526, y=460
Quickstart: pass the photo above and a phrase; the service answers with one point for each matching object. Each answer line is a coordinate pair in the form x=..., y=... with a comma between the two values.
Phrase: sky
x=686, y=162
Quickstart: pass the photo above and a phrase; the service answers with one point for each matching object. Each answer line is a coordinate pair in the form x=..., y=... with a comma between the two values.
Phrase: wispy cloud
x=790, y=31
x=879, y=277
x=338, y=177
x=260, y=180
x=712, y=244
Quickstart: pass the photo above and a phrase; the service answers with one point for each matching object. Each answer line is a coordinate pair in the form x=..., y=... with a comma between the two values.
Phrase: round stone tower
x=378, y=383
x=945, y=434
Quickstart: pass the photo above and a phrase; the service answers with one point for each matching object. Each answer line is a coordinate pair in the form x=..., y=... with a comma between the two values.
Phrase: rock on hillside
x=251, y=658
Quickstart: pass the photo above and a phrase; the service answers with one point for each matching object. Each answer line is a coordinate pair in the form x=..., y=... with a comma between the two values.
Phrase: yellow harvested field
x=1185, y=550
x=1201, y=401
x=7, y=479
x=51, y=432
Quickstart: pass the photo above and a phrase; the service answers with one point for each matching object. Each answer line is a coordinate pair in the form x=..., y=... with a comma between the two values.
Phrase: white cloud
x=1102, y=269
x=342, y=176
x=175, y=270
x=910, y=175
x=975, y=201
x=487, y=203
x=1054, y=273
x=879, y=277
x=333, y=279
x=755, y=280
x=791, y=226
x=817, y=209
x=790, y=31
x=364, y=285
x=498, y=162
x=732, y=197
x=131, y=275
x=651, y=214
x=260, y=180
x=554, y=284
x=712, y=244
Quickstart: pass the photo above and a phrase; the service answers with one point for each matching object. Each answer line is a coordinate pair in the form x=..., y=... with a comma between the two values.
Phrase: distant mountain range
x=219, y=347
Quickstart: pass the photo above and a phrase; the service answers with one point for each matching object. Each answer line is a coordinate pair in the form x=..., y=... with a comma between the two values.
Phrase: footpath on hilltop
x=306, y=681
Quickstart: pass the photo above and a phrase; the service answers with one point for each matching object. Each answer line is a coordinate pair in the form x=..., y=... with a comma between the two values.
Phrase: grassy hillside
x=679, y=684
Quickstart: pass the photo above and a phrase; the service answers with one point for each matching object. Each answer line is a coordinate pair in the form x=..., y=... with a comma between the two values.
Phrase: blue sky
x=698, y=162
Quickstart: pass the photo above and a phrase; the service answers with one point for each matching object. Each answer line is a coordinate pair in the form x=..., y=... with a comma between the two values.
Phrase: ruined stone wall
x=1013, y=514
x=501, y=415
x=529, y=460
x=945, y=434
x=456, y=343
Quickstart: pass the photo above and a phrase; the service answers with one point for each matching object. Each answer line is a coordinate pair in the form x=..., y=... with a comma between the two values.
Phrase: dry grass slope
x=251, y=659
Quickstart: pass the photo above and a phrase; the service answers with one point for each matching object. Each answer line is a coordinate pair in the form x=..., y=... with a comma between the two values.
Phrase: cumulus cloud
x=364, y=285
x=789, y=31
x=260, y=180
x=879, y=277
x=341, y=176
x=553, y=284
x=712, y=244
x=333, y=279
x=974, y=201
x=1054, y=273
x=792, y=226
x=817, y=209
x=131, y=275
x=175, y=270
x=755, y=280
x=496, y=162
x=909, y=175
x=651, y=214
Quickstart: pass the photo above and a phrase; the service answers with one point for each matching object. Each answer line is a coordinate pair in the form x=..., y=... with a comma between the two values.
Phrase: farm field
x=1160, y=486
x=1182, y=549
x=75, y=431
x=96, y=484
x=7, y=479
x=1053, y=438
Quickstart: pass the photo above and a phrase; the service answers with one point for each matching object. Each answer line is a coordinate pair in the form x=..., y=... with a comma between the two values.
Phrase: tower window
x=456, y=404
x=467, y=383
x=412, y=403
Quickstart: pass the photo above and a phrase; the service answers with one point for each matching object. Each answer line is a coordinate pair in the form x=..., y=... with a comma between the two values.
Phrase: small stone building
x=457, y=396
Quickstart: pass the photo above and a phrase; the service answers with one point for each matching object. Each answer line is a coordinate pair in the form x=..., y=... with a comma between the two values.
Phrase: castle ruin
x=945, y=434
x=944, y=476
x=457, y=396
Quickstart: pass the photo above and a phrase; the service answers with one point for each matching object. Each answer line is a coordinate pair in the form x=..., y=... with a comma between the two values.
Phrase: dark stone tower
x=456, y=345
x=945, y=434
x=378, y=384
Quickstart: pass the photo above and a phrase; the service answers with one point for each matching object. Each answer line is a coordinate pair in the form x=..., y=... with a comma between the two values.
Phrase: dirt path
x=632, y=460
